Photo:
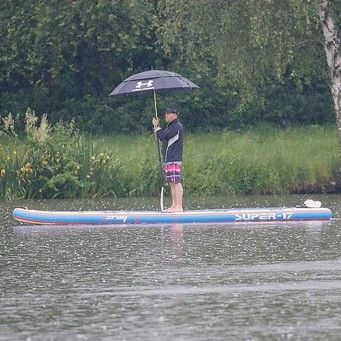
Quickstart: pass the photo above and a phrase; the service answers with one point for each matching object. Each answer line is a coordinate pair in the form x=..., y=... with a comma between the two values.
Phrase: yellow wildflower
x=2, y=172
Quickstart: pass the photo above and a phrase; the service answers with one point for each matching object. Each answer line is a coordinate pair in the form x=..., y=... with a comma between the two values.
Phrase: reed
x=59, y=162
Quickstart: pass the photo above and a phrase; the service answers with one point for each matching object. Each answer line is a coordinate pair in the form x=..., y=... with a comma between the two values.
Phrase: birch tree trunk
x=332, y=47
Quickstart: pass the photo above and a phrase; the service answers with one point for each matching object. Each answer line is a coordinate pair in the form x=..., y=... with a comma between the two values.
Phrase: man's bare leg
x=178, y=195
x=170, y=209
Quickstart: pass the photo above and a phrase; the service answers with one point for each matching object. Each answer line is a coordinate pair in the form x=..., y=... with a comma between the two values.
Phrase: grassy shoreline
x=263, y=160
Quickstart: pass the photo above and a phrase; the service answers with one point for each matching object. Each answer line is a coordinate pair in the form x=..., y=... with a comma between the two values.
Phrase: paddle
x=159, y=156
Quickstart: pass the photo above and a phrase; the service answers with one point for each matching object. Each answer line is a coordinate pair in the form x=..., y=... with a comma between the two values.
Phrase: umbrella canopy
x=153, y=80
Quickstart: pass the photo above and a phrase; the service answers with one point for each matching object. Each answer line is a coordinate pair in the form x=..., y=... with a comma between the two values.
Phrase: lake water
x=254, y=281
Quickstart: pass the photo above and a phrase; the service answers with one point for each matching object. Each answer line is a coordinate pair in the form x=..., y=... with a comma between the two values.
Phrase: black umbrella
x=154, y=81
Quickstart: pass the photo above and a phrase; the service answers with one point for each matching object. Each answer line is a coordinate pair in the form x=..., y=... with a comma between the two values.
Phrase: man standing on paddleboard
x=172, y=148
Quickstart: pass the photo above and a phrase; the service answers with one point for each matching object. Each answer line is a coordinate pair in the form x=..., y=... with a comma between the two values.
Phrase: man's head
x=171, y=114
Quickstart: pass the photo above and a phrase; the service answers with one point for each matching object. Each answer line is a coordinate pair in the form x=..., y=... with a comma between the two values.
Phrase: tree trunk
x=332, y=47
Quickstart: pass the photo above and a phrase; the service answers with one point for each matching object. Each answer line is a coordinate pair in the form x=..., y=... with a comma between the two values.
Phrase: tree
x=249, y=43
x=332, y=47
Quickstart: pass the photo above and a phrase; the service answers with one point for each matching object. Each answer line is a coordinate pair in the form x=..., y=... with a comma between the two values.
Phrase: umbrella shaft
x=155, y=106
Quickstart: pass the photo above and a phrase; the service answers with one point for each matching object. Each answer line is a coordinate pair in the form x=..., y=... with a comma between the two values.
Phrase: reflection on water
x=184, y=282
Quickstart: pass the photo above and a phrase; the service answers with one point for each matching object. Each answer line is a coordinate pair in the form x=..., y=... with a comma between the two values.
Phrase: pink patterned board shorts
x=173, y=172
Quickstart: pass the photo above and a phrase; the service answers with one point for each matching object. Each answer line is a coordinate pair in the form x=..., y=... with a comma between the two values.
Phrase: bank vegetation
x=57, y=161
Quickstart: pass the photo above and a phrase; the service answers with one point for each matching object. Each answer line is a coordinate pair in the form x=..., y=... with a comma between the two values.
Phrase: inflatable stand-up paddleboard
x=314, y=212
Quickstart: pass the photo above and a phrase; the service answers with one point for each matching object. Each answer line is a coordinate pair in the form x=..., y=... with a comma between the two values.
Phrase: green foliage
x=248, y=43
x=68, y=44
x=55, y=54
x=56, y=162
x=254, y=61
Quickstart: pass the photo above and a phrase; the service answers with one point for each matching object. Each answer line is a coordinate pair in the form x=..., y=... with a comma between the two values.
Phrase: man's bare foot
x=177, y=209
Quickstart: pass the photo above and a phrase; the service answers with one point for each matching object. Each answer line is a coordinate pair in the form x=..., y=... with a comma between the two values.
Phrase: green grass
x=264, y=160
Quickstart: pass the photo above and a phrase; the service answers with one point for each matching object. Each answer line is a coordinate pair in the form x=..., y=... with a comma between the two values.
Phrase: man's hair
x=171, y=110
